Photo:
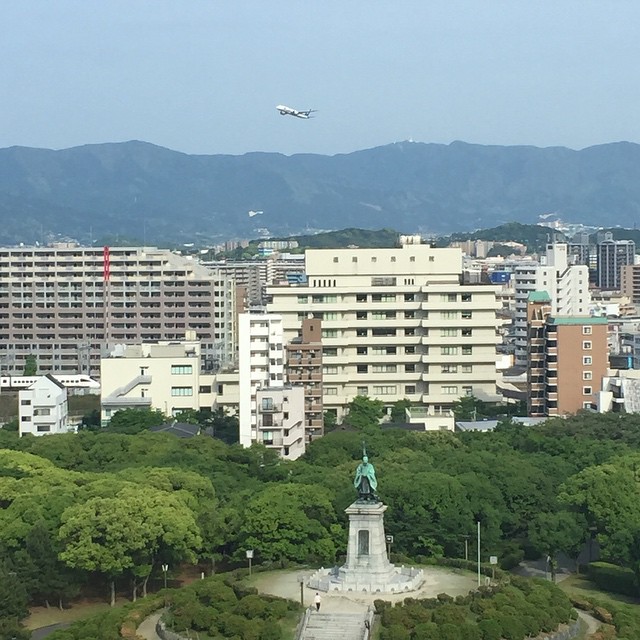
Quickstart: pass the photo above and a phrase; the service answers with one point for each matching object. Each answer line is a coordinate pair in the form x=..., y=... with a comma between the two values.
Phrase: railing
x=368, y=624
x=302, y=625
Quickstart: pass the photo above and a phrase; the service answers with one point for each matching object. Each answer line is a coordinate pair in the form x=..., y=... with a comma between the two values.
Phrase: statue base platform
x=367, y=568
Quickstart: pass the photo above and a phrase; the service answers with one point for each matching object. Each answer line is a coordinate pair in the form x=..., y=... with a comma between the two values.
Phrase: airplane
x=288, y=111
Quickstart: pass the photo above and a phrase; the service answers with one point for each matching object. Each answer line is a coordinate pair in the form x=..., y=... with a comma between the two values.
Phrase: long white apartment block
x=396, y=323
x=167, y=376
x=567, y=285
x=63, y=303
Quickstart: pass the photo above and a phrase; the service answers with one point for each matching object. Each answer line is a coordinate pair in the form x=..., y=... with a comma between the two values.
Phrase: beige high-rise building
x=396, y=323
x=64, y=303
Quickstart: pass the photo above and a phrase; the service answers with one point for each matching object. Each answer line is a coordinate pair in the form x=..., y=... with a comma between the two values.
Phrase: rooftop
x=539, y=296
x=580, y=320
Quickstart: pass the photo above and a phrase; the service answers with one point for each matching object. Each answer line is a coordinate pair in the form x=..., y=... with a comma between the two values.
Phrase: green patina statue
x=365, y=481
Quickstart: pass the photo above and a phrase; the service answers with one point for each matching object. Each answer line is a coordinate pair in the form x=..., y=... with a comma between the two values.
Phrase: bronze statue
x=365, y=481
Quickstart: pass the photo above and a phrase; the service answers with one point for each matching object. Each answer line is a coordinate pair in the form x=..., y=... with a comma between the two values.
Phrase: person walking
x=317, y=601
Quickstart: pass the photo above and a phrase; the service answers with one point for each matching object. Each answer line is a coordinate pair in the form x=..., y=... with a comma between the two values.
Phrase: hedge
x=611, y=577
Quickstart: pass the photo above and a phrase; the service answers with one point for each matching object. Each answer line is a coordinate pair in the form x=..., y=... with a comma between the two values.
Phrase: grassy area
x=582, y=587
x=43, y=617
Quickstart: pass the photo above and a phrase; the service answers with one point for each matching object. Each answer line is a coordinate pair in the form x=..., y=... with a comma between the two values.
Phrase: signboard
x=493, y=559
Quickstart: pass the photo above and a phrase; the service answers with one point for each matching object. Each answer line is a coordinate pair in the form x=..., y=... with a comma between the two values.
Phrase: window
x=467, y=390
x=331, y=298
x=267, y=420
x=587, y=375
x=383, y=315
x=354, y=259
x=374, y=259
x=409, y=315
x=410, y=389
x=330, y=351
x=329, y=333
x=448, y=315
x=383, y=297
x=384, y=390
x=587, y=391
x=303, y=299
x=181, y=391
x=465, y=297
x=383, y=282
x=466, y=315
x=384, y=368
x=181, y=369
x=267, y=404
x=361, y=315
x=467, y=368
x=43, y=428
x=330, y=315
x=410, y=349
x=586, y=344
x=361, y=297
x=383, y=351
x=362, y=368
x=42, y=412
x=449, y=368
x=448, y=333
x=467, y=351
x=330, y=391
x=450, y=390
x=362, y=351
x=205, y=388
x=362, y=391
x=409, y=297
x=410, y=368
x=586, y=405
x=362, y=333
x=448, y=297
x=383, y=332
x=335, y=258
x=267, y=437
x=586, y=360
x=586, y=331
x=330, y=369
x=25, y=403
x=449, y=351
x=466, y=333
x=409, y=332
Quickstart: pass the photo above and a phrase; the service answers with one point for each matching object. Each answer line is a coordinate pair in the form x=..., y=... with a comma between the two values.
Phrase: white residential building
x=43, y=408
x=396, y=323
x=260, y=364
x=279, y=415
x=161, y=375
x=567, y=285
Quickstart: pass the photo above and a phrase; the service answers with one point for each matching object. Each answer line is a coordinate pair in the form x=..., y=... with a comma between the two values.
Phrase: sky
x=204, y=76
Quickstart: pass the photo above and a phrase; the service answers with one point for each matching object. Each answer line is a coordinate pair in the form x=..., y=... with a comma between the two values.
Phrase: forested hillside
x=142, y=192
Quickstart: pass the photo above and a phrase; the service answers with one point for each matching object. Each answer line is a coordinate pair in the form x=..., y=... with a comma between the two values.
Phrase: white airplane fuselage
x=288, y=111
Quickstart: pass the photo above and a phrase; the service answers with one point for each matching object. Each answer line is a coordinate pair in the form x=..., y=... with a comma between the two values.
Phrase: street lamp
x=466, y=537
x=165, y=568
x=249, y=553
x=479, y=553
x=389, y=541
x=301, y=582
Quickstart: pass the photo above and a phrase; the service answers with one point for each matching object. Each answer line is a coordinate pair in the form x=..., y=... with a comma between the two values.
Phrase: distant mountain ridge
x=141, y=191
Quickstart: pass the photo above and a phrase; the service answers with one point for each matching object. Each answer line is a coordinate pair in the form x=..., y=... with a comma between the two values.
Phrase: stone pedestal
x=367, y=568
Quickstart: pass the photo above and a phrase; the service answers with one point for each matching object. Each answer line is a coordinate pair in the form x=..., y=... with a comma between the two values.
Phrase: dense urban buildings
x=43, y=408
x=396, y=323
x=566, y=284
x=63, y=303
x=612, y=256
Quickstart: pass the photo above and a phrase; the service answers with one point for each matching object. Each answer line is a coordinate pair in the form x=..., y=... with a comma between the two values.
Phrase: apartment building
x=630, y=282
x=43, y=408
x=279, y=413
x=396, y=323
x=63, y=303
x=566, y=284
x=167, y=376
x=612, y=256
x=304, y=367
x=567, y=359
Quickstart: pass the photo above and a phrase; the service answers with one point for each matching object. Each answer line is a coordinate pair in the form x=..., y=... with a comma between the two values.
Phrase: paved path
x=147, y=628
x=43, y=632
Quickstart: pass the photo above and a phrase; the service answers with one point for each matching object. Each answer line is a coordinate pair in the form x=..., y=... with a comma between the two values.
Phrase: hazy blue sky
x=204, y=76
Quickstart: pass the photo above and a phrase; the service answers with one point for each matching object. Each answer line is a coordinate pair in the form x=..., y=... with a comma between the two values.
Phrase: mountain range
x=139, y=191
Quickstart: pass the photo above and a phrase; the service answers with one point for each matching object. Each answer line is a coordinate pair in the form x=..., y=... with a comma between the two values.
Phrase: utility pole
x=479, y=553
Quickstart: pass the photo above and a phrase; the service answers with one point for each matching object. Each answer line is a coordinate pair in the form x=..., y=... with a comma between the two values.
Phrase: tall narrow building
x=567, y=359
x=613, y=255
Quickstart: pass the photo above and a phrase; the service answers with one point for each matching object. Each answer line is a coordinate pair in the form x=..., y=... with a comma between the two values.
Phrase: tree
x=13, y=595
x=132, y=421
x=30, y=366
x=398, y=410
x=364, y=412
x=291, y=522
x=217, y=423
x=560, y=531
x=129, y=532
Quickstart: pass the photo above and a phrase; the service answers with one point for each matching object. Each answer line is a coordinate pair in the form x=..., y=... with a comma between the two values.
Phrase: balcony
x=275, y=407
